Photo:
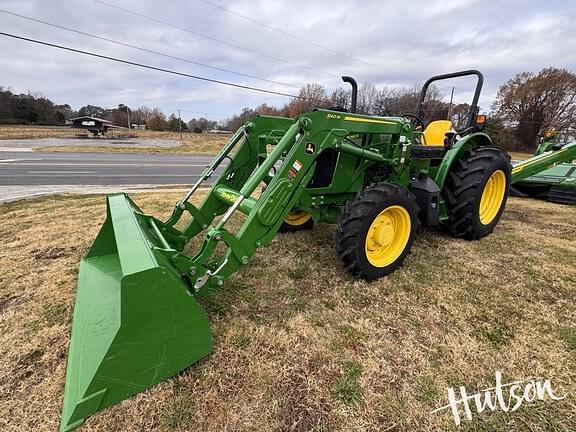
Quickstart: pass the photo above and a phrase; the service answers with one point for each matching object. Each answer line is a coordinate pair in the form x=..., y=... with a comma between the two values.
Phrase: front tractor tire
x=476, y=191
x=376, y=231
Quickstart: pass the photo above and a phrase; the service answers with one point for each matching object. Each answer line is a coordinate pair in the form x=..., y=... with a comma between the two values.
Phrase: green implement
x=550, y=174
x=137, y=320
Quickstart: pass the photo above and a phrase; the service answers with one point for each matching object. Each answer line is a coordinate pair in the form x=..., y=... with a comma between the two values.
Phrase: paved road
x=106, y=169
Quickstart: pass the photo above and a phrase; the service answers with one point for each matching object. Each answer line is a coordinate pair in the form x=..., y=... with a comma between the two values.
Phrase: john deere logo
x=310, y=148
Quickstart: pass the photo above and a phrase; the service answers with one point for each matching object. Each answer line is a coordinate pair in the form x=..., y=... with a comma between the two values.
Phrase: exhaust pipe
x=354, y=84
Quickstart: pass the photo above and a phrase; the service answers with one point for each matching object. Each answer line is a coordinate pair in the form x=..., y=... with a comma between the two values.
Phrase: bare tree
x=532, y=103
x=310, y=96
x=459, y=115
x=156, y=120
x=367, y=95
x=403, y=101
x=383, y=101
x=341, y=98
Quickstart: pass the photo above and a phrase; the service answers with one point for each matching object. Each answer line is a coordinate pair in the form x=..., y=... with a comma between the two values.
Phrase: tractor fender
x=471, y=141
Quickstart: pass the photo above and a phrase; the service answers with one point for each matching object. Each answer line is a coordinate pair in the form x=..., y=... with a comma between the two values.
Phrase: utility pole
x=128, y=113
x=180, y=123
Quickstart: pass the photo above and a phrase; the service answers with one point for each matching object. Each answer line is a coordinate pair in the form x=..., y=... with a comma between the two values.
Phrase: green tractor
x=137, y=320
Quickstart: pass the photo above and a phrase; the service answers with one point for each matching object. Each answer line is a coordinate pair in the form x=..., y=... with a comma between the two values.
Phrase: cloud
x=386, y=43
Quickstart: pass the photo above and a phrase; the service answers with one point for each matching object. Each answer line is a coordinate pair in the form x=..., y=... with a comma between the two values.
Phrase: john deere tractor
x=137, y=321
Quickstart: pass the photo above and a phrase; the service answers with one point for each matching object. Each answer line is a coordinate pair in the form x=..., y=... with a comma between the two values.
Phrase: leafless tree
x=532, y=103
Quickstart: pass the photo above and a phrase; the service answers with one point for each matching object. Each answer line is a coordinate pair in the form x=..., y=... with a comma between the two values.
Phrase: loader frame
x=297, y=146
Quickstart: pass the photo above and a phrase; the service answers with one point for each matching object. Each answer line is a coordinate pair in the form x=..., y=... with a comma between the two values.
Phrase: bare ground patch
x=300, y=345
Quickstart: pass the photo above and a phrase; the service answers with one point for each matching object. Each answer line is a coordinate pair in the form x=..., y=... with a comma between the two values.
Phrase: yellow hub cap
x=388, y=236
x=492, y=197
x=297, y=218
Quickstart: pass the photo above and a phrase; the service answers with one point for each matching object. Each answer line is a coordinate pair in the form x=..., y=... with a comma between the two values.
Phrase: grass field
x=33, y=132
x=191, y=143
x=301, y=346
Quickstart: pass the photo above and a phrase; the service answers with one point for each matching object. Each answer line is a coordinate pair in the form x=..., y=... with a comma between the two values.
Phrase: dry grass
x=301, y=346
x=191, y=143
x=33, y=132
x=520, y=155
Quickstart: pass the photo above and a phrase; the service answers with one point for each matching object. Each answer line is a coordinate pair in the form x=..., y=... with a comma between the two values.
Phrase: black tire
x=290, y=228
x=351, y=234
x=464, y=187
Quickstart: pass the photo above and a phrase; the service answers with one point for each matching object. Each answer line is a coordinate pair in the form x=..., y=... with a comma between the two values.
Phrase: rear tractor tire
x=476, y=191
x=376, y=231
x=297, y=221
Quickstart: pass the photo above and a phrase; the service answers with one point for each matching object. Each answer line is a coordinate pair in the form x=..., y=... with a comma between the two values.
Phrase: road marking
x=16, y=149
x=9, y=160
x=61, y=172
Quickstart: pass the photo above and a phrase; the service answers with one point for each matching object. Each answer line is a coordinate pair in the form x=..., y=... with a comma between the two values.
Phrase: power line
x=92, y=54
x=285, y=33
x=185, y=29
x=141, y=48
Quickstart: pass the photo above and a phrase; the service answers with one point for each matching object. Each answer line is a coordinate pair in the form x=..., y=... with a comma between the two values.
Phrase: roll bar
x=473, y=108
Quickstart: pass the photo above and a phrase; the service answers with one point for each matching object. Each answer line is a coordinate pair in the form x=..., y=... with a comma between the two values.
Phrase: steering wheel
x=415, y=120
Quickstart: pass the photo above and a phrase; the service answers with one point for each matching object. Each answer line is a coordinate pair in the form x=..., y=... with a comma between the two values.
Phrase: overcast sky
x=388, y=43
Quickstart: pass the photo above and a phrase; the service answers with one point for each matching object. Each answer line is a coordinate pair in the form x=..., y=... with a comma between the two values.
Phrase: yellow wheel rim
x=492, y=197
x=388, y=236
x=297, y=218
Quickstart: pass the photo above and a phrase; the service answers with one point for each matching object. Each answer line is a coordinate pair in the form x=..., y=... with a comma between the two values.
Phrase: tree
x=531, y=103
x=202, y=125
x=500, y=135
x=27, y=108
x=235, y=121
x=383, y=101
x=94, y=111
x=157, y=120
x=404, y=101
x=367, y=95
x=176, y=124
x=459, y=114
x=341, y=98
x=310, y=96
x=120, y=115
x=140, y=115
x=64, y=113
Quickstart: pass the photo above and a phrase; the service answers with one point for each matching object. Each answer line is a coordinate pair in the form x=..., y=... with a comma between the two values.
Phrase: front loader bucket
x=135, y=321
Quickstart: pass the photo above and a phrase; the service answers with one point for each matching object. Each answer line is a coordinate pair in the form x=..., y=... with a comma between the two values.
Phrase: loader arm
x=285, y=189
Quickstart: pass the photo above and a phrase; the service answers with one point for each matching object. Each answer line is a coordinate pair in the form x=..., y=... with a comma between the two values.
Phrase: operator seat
x=435, y=132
